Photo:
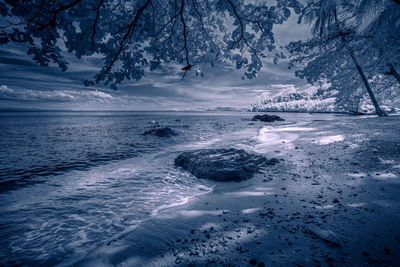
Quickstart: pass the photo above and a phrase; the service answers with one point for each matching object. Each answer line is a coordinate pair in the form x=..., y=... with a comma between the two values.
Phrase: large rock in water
x=222, y=165
x=161, y=132
x=267, y=118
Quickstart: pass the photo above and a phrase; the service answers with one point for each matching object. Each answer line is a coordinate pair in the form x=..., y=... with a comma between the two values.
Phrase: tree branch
x=188, y=66
x=127, y=34
x=55, y=13
x=96, y=21
x=239, y=18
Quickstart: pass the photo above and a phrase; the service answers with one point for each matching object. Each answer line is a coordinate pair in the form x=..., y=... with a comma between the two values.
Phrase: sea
x=72, y=180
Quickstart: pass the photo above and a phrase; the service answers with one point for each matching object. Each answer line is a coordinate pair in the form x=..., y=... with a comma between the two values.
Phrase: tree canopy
x=355, y=45
x=137, y=36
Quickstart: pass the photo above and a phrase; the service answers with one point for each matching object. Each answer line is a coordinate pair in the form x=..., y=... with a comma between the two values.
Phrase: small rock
x=253, y=262
x=326, y=235
x=161, y=132
x=388, y=251
x=267, y=118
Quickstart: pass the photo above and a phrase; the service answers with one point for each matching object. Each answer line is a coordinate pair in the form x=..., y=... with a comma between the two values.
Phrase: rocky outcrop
x=161, y=132
x=222, y=165
x=267, y=118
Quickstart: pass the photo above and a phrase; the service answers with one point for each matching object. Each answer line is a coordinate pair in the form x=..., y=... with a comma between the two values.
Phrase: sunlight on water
x=356, y=205
x=248, y=194
x=252, y=210
x=271, y=138
x=385, y=176
x=197, y=213
x=385, y=161
x=326, y=140
x=357, y=175
x=328, y=206
x=294, y=129
x=267, y=134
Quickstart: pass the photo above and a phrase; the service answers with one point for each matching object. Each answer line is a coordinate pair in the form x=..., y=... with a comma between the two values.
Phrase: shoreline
x=321, y=112
x=326, y=203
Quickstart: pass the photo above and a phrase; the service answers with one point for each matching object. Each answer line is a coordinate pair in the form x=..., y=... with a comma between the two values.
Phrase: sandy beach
x=199, y=133
x=333, y=200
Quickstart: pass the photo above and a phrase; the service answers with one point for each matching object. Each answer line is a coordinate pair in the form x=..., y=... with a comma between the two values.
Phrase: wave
x=11, y=179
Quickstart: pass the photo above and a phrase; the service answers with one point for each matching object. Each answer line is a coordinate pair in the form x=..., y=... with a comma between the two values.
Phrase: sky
x=24, y=84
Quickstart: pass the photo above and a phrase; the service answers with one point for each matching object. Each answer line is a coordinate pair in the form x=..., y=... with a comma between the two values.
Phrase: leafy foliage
x=135, y=36
x=308, y=99
x=346, y=47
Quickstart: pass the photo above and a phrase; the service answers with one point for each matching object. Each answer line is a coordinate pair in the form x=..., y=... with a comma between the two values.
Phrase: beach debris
x=326, y=235
x=222, y=164
x=253, y=262
x=267, y=118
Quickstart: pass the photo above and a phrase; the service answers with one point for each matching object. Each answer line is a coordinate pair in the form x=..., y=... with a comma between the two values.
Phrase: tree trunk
x=378, y=109
x=393, y=71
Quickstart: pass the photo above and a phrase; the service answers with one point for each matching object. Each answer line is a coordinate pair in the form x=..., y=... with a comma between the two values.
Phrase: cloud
x=28, y=95
x=101, y=94
x=25, y=84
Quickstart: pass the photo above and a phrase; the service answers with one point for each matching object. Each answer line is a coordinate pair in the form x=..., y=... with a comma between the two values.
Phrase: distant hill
x=226, y=109
x=314, y=99
x=307, y=99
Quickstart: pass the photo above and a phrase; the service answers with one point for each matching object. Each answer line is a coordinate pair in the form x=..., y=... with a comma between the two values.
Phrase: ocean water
x=71, y=181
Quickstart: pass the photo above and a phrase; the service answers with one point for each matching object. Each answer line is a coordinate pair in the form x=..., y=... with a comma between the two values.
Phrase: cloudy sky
x=23, y=84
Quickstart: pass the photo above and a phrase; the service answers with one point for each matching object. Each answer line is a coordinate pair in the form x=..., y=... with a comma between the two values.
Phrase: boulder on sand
x=161, y=132
x=222, y=165
x=267, y=118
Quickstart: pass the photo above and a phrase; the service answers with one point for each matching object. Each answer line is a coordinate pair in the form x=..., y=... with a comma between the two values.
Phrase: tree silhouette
x=343, y=38
x=134, y=36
